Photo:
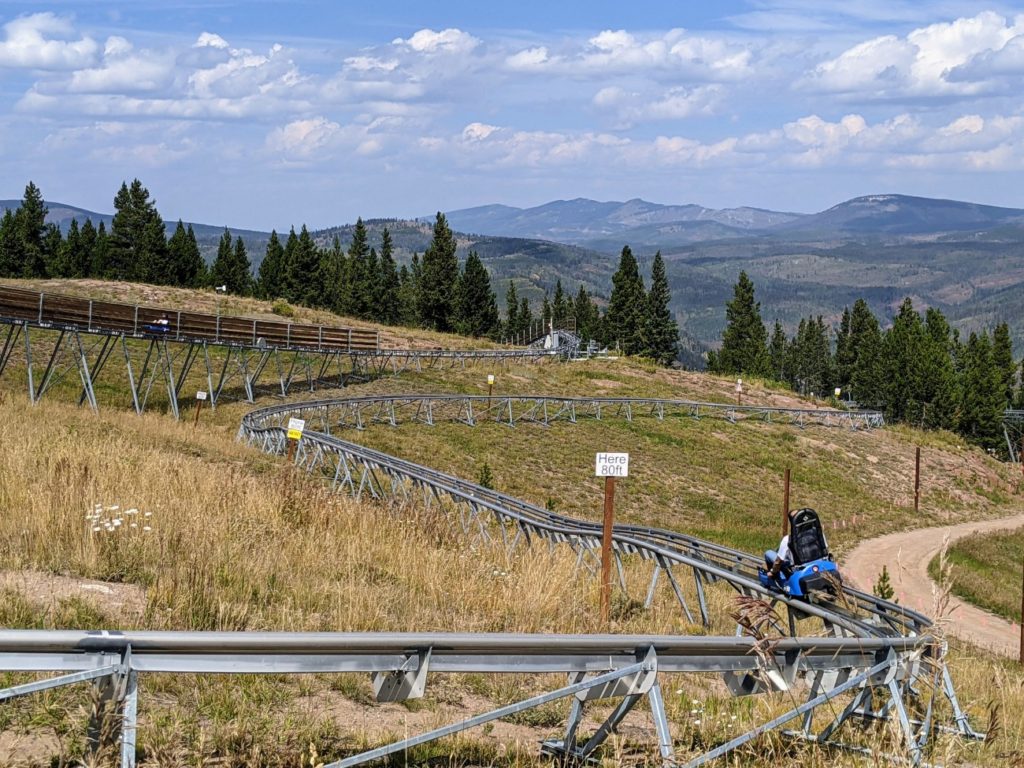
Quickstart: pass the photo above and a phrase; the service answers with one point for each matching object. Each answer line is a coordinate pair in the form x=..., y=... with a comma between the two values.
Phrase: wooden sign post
x=200, y=398
x=609, y=466
x=917, y=479
x=785, y=502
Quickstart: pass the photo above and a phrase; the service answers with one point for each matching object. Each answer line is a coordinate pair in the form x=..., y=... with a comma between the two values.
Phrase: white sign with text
x=611, y=465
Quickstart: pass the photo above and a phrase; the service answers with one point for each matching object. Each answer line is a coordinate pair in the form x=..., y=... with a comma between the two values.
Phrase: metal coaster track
x=881, y=654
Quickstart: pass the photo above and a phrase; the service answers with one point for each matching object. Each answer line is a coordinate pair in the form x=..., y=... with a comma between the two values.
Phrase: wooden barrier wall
x=96, y=315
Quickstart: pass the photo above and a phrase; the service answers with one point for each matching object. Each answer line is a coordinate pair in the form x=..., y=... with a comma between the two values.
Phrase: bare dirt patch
x=124, y=602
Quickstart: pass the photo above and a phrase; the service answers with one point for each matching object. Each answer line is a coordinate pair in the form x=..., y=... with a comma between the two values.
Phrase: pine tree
x=866, y=384
x=371, y=286
x=778, y=349
x=359, y=292
x=940, y=394
x=231, y=267
x=242, y=269
x=588, y=319
x=222, y=263
x=545, y=313
x=138, y=245
x=389, y=286
x=29, y=232
x=903, y=350
x=809, y=363
x=408, y=293
x=559, y=307
x=745, y=339
x=1002, y=359
x=101, y=258
x=661, y=332
x=511, y=311
x=272, y=270
x=439, y=272
x=333, y=275
x=476, y=308
x=845, y=355
x=626, y=306
x=10, y=260
x=981, y=407
x=53, y=248
x=88, y=236
x=71, y=261
x=525, y=318
x=303, y=275
x=189, y=267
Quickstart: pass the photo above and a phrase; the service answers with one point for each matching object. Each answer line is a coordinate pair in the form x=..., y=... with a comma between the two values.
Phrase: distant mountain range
x=597, y=224
x=967, y=259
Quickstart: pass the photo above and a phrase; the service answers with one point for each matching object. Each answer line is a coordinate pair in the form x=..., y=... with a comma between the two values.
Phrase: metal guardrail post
x=90, y=314
x=177, y=326
x=40, y=308
x=349, y=339
x=135, y=322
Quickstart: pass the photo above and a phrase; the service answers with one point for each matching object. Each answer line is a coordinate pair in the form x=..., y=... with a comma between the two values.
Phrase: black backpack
x=806, y=539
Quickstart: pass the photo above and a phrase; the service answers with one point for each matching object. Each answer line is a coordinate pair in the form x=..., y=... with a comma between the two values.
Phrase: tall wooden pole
x=785, y=502
x=917, y=479
x=606, y=550
x=1022, y=613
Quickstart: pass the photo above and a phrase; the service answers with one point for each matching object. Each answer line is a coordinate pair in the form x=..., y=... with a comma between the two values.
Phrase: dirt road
x=907, y=555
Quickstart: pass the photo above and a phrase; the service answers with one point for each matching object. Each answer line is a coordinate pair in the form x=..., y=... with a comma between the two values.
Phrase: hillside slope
x=320, y=562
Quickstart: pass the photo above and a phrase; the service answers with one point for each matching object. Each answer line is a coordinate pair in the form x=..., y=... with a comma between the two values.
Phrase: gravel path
x=907, y=555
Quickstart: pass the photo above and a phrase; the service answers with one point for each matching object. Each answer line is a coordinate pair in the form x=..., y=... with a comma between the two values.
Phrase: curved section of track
x=359, y=470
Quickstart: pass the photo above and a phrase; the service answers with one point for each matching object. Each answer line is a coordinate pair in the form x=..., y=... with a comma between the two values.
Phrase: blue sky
x=267, y=114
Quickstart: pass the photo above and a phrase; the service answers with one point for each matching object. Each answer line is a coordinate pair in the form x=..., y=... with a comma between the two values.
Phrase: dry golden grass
x=239, y=541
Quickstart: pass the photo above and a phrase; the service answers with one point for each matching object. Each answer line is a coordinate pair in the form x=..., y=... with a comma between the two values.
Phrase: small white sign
x=490, y=379
x=295, y=427
x=611, y=465
x=200, y=395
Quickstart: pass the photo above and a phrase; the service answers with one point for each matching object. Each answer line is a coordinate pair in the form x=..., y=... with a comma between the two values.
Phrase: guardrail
x=599, y=667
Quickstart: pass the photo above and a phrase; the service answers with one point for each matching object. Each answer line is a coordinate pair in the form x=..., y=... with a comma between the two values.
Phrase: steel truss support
x=881, y=674
x=113, y=718
x=630, y=683
x=1013, y=431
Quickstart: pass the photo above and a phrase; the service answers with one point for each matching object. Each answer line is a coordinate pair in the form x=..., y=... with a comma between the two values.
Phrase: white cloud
x=303, y=138
x=945, y=59
x=676, y=103
x=246, y=74
x=39, y=41
x=428, y=41
x=528, y=59
x=478, y=131
x=210, y=40
x=124, y=71
x=673, y=54
x=370, y=64
x=116, y=46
